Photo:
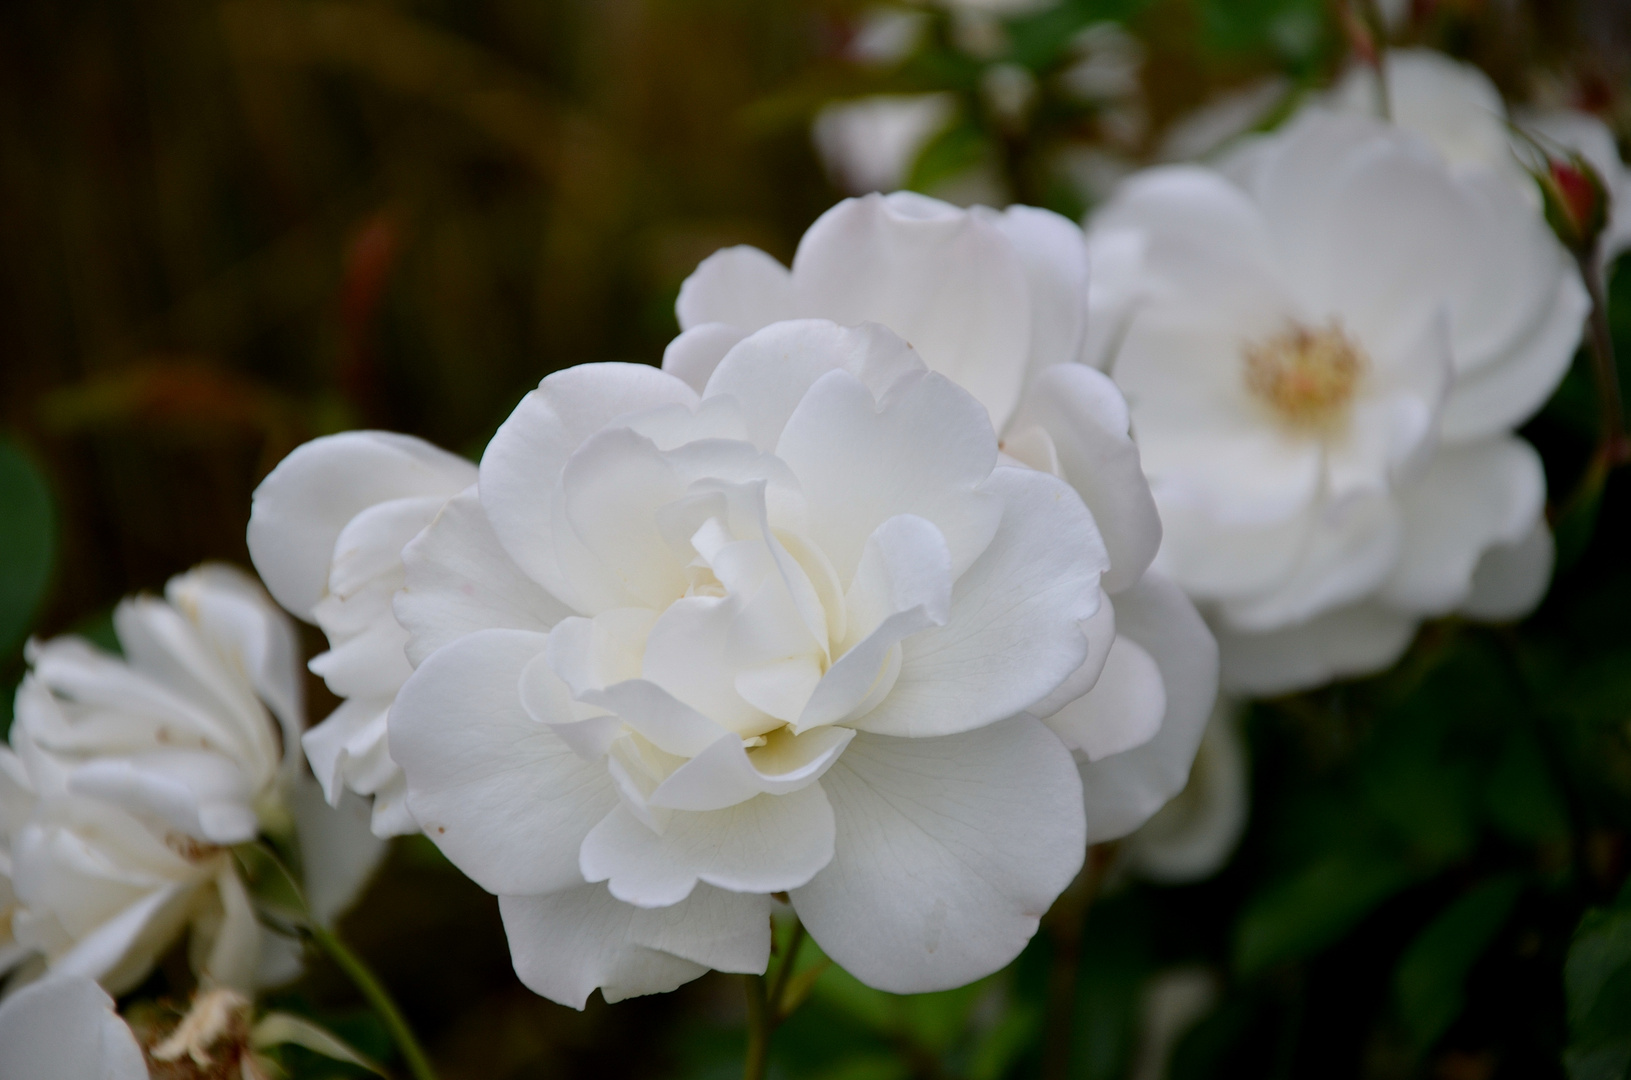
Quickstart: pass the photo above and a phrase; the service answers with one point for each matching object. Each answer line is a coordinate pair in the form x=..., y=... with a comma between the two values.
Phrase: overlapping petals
x=326, y=532
x=129, y=778
x=1019, y=276
x=715, y=646
x=1324, y=346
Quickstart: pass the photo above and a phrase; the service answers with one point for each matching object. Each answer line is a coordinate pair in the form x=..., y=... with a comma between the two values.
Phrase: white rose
x=129, y=778
x=997, y=301
x=678, y=652
x=1193, y=836
x=1457, y=108
x=326, y=531
x=1324, y=358
x=66, y=1029
x=871, y=143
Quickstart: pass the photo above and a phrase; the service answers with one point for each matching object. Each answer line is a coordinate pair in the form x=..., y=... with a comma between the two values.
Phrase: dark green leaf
x=948, y=155
x=1520, y=795
x=1303, y=913
x=27, y=544
x=1597, y=980
x=1429, y=982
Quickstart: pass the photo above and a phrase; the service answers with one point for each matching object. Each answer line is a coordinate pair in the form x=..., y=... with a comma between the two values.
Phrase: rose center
x=1306, y=377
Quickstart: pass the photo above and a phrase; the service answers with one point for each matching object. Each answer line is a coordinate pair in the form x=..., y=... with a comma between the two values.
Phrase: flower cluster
x=847, y=605
x=912, y=573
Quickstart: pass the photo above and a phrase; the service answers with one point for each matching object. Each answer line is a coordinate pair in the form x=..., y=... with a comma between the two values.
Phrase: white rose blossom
x=677, y=652
x=997, y=301
x=129, y=778
x=1193, y=836
x=326, y=532
x=1324, y=351
x=872, y=143
x=1457, y=108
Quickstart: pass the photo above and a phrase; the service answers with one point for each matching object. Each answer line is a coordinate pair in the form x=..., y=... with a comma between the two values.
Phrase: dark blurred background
x=228, y=227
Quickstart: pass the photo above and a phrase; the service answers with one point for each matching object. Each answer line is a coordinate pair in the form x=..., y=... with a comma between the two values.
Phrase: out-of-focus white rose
x=679, y=651
x=885, y=36
x=997, y=302
x=326, y=531
x=1324, y=352
x=66, y=1029
x=189, y=724
x=128, y=780
x=1456, y=107
x=871, y=143
x=1193, y=836
x=1107, y=64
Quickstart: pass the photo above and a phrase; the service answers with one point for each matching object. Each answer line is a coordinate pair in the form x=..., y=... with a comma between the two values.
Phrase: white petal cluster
x=679, y=652
x=326, y=532
x=1455, y=107
x=129, y=778
x=997, y=301
x=1325, y=347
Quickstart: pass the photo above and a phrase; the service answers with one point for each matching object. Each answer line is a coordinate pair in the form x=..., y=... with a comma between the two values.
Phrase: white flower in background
x=66, y=1029
x=1457, y=108
x=679, y=652
x=884, y=36
x=326, y=532
x=128, y=780
x=1324, y=358
x=871, y=143
x=996, y=301
x=1193, y=836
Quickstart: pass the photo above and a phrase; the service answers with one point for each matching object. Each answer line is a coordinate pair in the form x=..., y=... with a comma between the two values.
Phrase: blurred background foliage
x=226, y=227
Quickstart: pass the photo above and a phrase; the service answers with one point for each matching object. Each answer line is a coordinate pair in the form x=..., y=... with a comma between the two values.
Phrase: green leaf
x=948, y=155
x=1429, y=983
x=1520, y=796
x=999, y=1048
x=277, y=1029
x=1597, y=981
x=1308, y=910
x=28, y=531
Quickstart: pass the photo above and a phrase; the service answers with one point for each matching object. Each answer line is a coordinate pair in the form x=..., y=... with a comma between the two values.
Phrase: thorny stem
x=767, y=1010
x=358, y=972
x=1066, y=921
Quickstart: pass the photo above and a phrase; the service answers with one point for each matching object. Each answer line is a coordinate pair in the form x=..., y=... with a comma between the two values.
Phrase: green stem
x=767, y=1006
x=1065, y=923
x=760, y=1024
x=1612, y=448
x=778, y=993
x=355, y=969
x=380, y=998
